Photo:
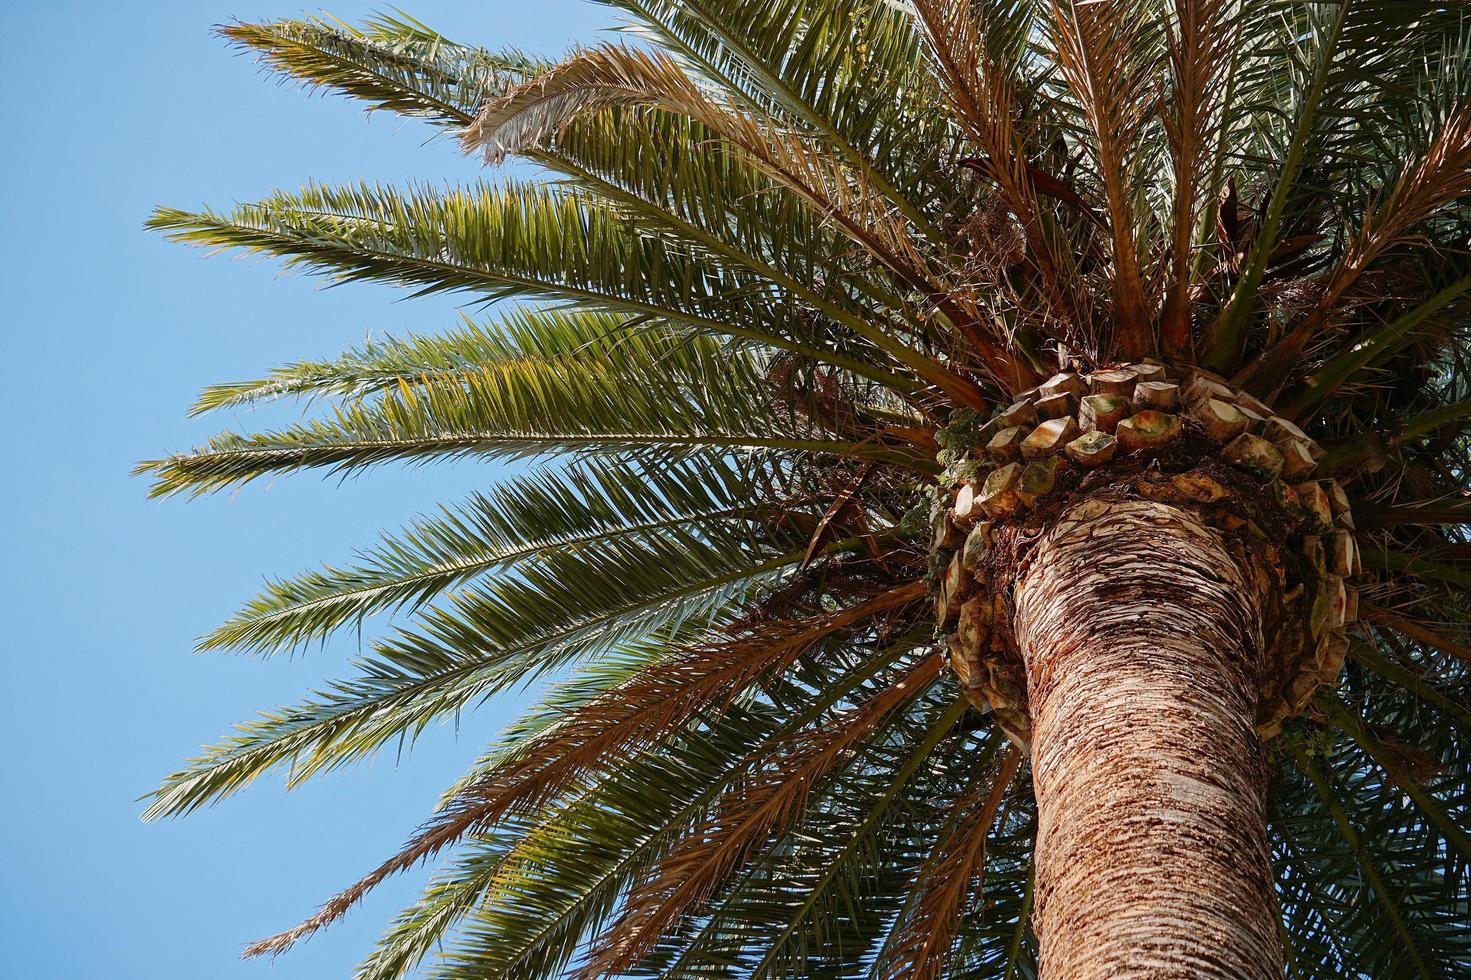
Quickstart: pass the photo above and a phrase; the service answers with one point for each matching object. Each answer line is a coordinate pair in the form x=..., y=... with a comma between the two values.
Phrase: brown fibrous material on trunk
x=1142, y=639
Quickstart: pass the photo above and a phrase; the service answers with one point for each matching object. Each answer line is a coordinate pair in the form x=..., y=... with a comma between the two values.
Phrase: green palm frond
x=517, y=522
x=1444, y=817
x=773, y=58
x=509, y=241
x=672, y=172
x=569, y=607
x=377, y=366
x=617, y=394
x=610, y=76
x=393, y=63
x=396, y=65
x=1422, y=689
x=1327, y=35
x=1394, y=919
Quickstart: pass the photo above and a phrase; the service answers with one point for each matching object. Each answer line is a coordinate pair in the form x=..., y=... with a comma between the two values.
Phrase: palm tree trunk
x=1142, y=643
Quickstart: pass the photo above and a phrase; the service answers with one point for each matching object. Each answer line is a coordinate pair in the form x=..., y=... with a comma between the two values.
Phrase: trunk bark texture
x=1142, y=644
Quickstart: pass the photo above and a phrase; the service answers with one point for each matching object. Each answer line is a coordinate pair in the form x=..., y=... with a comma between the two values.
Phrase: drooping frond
x=657, y=701
x=951, y=881
x=634, y=816
x=824, y=892
x=770, y=800
x=632, y=719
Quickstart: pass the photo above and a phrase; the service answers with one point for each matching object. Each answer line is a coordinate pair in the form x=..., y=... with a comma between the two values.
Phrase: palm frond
x=1352, y=358
x=1199, y=41
x=1103, y=50
x=1455, y=574
x=1419, y=632
x=951, y=880
x=824, y=892
x=1229, y=336
x=771, y=800
x=1445, y=822
x=398, y=65
x=790, y=255
x=620, y=723
x=377, y=366
x=503, y=242
x=572, y=606
x=610, y=76
x=1419, y=687
x=843, y=71
x=1439, y=177
x=616, y=395
x=572, y=886
x=1395, y=924
x=1455, y=510
x=393, y=63
x=975, y=56
x=517, y=522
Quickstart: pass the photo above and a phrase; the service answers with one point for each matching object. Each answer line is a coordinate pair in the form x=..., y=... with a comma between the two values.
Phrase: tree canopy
x=785, y=256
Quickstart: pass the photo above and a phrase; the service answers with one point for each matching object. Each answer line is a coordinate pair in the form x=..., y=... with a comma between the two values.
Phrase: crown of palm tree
x=793, y=259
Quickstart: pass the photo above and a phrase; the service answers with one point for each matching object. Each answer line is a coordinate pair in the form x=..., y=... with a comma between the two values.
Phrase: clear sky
x=108, y=333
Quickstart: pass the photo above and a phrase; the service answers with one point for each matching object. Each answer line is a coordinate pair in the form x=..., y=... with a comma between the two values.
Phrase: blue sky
x=109, y=333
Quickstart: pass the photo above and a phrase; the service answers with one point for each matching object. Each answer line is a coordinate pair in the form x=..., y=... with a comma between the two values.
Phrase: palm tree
x=993, y=500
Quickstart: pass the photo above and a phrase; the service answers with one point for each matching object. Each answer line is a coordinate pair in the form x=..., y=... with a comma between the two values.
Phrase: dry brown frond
x=921, y=948
x=995, y=240
x=983, y=100
x=598, y=738
x=1439, y=178
x=1199, y=42
x=843, y=507
x=1096, y=45
x=769, y=801
x=980, y=94
x=1405, y=763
